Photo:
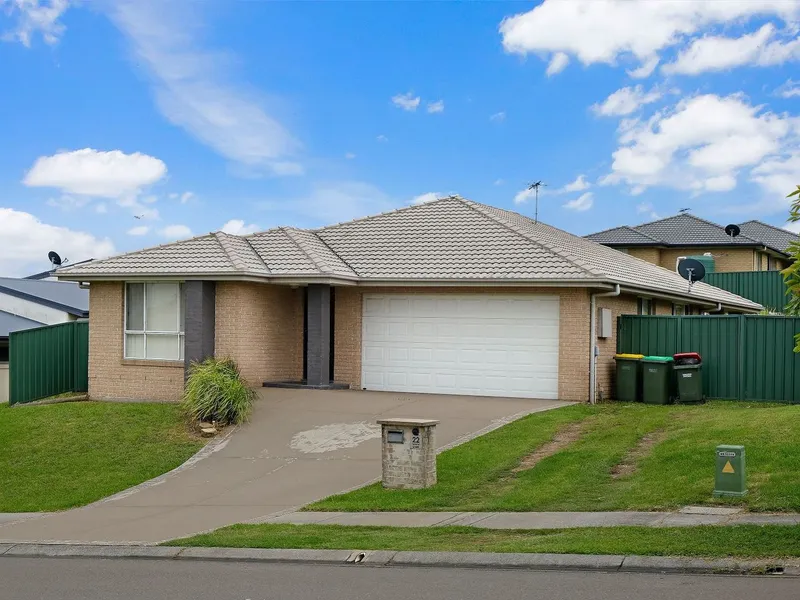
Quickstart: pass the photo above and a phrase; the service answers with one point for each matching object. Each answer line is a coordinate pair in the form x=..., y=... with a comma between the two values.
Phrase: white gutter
x=593, y=332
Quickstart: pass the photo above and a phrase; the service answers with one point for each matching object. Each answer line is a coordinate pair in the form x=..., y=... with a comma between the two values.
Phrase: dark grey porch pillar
x=200, y=299
x=318, y=346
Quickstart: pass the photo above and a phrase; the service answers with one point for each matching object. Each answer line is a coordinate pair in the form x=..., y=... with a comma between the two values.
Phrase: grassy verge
x=677, y=470
x=64, y=455
x=745, y=541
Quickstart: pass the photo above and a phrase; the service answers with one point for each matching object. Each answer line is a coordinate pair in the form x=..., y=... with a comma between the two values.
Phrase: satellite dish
x=55, y=259
x=691, y=270
x=732, y=230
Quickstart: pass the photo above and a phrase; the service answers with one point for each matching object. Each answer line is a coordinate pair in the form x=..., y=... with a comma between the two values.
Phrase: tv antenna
x=535, y=187
x=684, y=210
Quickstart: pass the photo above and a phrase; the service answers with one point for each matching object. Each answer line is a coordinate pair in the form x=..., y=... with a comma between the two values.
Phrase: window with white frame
x=154, y=315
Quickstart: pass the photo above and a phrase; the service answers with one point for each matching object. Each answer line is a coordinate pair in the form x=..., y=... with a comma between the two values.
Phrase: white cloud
x=68, y=203
x=26, y=242
x=186, y=197
x=194, y=87
x=717, y=53
x=382, y=138
x=790, y=89
x=644, y=70
x=557, y=64
x=92, y=172
x=349, y=155
x=578, y=185
x=778, y=176
x=523, y=196
x=625, y=101
x=499, y=181
x=498, y=117
x=175, y=232
x=35, y=16
x=238, y=227
x=331, y=202
x=139, y=230
x=793, y=227
x=407, y=101
x=603, y=31
x=647, y=208
x=436, y=107
x=425, y=198
x=100, y=208
x=149, y=199
x=700, y=144
x=582, y=203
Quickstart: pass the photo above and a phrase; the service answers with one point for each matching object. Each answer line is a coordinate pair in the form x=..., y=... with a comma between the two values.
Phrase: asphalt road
x=122, y=579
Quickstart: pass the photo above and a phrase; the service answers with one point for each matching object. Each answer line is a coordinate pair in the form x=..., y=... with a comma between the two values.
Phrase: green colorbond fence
x=745, y=357
x=765, y=287
x=47, y=361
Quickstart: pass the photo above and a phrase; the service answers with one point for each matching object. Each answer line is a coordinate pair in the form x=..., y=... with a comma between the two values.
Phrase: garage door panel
x=476, y=344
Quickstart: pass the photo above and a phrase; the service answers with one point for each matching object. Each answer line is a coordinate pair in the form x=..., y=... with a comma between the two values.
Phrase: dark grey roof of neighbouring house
x=688, y=230
x=61, y=295
x=449, y=240
x=10, y=323
x=771, y=236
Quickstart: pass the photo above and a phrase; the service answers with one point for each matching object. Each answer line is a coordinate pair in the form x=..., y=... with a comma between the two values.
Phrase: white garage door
x=484, y=345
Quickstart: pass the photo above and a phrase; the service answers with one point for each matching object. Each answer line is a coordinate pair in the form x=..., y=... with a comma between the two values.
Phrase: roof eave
x=72, y=310
x=279, y=278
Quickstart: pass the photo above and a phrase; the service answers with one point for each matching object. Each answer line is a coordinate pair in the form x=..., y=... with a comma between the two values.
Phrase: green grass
x=678, y=471
x=59, y=456
x=745, y=541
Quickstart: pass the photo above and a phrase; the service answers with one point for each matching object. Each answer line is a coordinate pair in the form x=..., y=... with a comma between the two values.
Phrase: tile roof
x=448, y=239
x=688, y=230
x=62, y=295
x=769, y=235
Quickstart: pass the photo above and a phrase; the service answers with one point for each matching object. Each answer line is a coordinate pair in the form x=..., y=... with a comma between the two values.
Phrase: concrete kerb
x=385, y=558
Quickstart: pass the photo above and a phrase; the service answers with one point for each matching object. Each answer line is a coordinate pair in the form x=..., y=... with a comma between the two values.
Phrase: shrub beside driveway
x=607, y=457
x=65, y=455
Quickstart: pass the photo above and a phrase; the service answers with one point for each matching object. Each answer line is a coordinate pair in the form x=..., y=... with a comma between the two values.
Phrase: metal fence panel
x=772, y=368
x=744, y=357
x=765, y=287
x=47, y=361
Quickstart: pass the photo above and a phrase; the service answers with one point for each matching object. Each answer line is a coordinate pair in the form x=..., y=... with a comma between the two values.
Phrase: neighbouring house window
x=678, y=309
x=624, y=250
x=154, y=316
x=646, y=306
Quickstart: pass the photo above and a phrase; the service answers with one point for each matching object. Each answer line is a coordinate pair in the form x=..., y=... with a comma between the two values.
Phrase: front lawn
x=745, y=541
x=607, y=457
x=58, y=456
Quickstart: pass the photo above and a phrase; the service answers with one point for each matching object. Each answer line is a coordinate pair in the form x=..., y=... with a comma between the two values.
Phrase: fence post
x=741, y=328
x=679, y=335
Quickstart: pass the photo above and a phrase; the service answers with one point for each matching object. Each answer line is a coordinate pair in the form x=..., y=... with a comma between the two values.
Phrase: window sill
x=144, y=362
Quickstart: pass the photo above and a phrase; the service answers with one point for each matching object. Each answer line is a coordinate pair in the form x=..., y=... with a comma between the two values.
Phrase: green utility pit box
x=731, y=476
x=629, y=377
x=657, y=380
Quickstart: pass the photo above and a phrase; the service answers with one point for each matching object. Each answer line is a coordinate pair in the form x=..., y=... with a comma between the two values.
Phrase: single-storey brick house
x=450, y=297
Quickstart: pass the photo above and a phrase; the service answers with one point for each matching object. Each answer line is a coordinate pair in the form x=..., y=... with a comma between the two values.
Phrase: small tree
x=792, y=273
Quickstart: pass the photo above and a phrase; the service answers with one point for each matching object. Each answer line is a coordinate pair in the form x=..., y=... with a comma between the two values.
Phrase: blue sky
x=130, y=123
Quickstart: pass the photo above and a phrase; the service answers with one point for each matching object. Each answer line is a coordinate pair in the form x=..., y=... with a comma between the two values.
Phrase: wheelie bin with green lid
x=629, y=377
x=688, y=378
x=657, y=380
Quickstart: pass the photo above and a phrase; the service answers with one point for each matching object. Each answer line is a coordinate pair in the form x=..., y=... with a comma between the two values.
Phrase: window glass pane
x=182, y=319
x=134, y=346
x=163, y=347
x=134, y=307
x=162, y=307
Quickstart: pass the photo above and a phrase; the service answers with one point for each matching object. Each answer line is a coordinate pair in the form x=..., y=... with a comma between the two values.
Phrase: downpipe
x=593, y=332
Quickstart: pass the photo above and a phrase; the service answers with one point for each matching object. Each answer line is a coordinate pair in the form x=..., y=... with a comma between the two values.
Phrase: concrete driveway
x=300, y=446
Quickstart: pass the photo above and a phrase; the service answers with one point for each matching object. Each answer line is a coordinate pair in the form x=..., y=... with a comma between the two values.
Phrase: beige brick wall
x=725, y=259
x=260, y=326
x=573, y=380
x=651, y=255
x=110, y=376
x=620, y=305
